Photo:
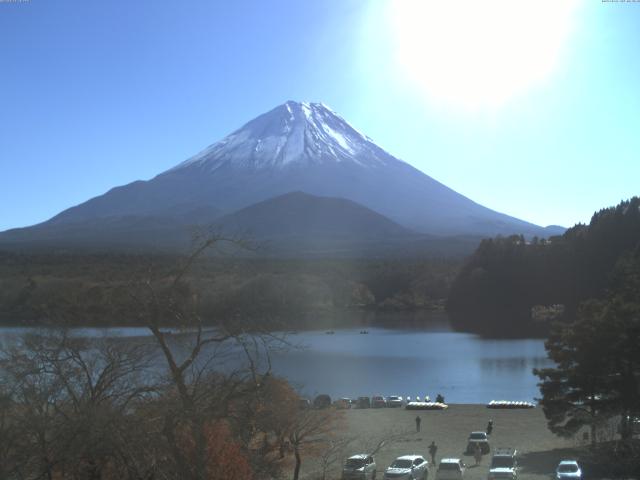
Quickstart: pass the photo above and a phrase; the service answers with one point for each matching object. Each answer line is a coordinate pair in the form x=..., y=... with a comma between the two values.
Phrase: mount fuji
x=296, y=147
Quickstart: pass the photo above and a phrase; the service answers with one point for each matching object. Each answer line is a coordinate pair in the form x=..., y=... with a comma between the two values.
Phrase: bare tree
x=333, y=455
x=374, y=445
x=309, y=432
x=8, y=451
x=187, y=406
x=335, y=449
x=71, y=403
x=207, y=381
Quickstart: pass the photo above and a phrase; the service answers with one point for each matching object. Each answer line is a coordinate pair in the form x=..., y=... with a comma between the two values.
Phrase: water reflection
x=513, y=363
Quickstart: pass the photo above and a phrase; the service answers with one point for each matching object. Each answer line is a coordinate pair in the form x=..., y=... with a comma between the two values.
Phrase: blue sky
x=99, y=94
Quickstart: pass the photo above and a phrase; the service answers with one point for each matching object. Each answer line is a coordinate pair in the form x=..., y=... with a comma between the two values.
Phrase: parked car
x=342, y=403
x=322, y=401
x=363, y=402
x=408, y=467
x=304, y=403
x=631, y=424
x=359, y=467
x=635, y=425
x=394, y=401
x=568, y=470
x=478, y=438
x=504, y=464
x=378, y=402
x=450, y=469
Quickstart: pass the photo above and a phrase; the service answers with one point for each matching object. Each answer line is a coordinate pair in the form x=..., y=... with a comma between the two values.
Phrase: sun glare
x=479, y=53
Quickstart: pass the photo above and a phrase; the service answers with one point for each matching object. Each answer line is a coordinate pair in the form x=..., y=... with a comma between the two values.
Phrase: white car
x=359, y=467
x=450, y=469
x=408, y=467
x=504, y=464
x=394, y=401
x=568, y=469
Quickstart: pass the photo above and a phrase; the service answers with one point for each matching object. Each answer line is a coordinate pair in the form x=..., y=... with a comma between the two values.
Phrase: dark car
x=322, y=401
x=378, y=402
x=363, y=402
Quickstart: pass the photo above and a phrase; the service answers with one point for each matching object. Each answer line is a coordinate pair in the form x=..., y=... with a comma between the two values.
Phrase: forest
x=512, y=286
x=94, y=289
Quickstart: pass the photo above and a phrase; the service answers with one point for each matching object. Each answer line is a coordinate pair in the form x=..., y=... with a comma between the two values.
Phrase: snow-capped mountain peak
x=296, y=147
x=292, y=134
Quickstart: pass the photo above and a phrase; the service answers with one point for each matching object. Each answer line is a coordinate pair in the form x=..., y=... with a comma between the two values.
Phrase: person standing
x=489, y=427
x=433, y=448
x=418, y=422
x=477, y=454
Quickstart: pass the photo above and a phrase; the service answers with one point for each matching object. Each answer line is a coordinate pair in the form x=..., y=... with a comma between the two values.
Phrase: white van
x=450, y=469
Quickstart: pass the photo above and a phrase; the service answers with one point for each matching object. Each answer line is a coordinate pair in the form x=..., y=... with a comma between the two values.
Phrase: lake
x=408, y=362
x=398, y=360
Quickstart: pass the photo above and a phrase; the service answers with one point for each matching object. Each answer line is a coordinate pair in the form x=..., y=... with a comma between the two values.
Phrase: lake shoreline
x=407, y=361
x=313, y=321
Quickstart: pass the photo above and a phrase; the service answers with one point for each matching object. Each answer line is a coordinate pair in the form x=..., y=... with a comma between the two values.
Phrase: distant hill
x=302, y=215
x=505, y=278
x=299, y=224
x=296, y=147
x=294, y=224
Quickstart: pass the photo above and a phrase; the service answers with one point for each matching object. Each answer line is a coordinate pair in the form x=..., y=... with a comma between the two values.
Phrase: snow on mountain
x=302, y=133
x=298, y=147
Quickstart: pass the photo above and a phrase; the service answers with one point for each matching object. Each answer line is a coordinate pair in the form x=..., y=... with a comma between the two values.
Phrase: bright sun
x=479, y=53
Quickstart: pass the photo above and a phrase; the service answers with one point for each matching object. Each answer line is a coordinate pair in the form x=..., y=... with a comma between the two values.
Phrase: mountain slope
x=296, y=147
x=290, y=218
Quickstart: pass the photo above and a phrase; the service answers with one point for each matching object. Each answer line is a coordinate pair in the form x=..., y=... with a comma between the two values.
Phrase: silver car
x=359, y=467
x=568, y=470
x=450, y=469
x=408, y=467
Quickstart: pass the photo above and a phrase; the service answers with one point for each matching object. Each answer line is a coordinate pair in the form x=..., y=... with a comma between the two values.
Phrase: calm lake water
x=462, y=367
x=405, y=361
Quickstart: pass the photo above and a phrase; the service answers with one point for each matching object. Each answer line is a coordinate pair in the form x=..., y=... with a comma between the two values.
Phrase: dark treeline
x=513, y=287
x=95, y=289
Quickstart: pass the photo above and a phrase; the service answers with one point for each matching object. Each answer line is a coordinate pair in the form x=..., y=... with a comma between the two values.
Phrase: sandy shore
x=526, y=430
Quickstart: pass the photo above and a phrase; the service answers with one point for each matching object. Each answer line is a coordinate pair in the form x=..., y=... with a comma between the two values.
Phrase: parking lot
x=526, y=430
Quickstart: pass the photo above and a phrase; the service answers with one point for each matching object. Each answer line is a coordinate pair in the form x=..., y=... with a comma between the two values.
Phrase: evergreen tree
x=597, y=357
x=497, y=289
